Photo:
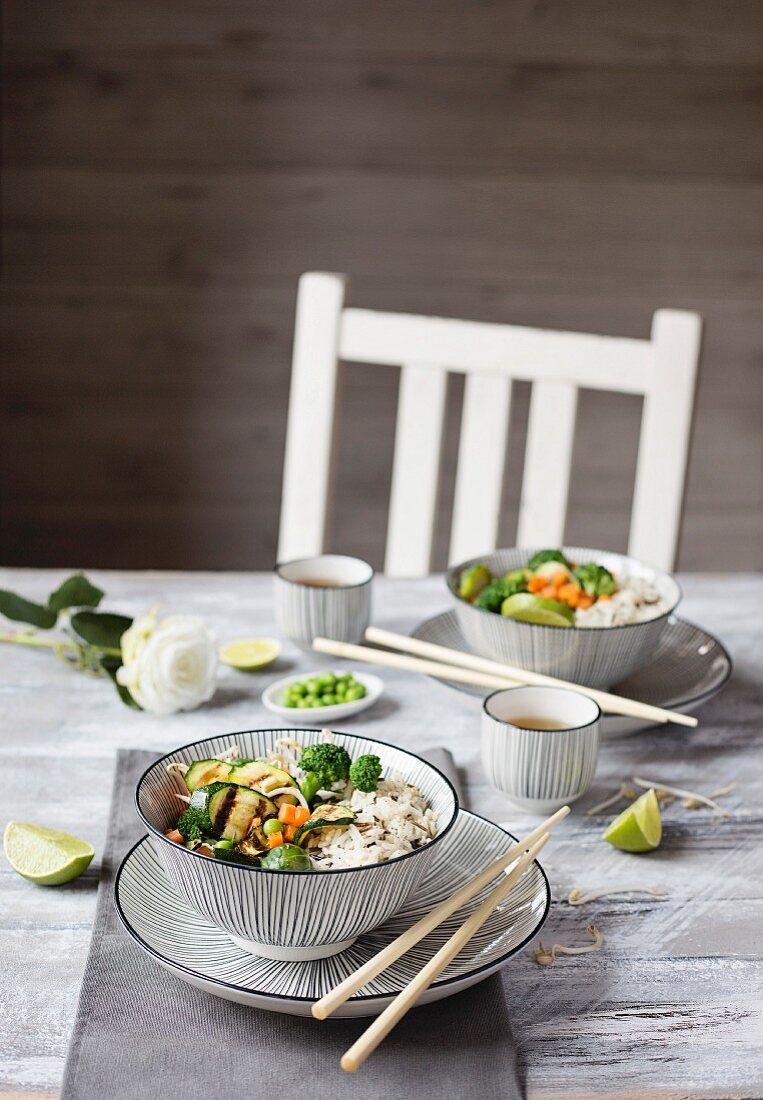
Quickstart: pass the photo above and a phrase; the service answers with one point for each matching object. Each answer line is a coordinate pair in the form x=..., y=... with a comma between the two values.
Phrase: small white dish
x=320, y=716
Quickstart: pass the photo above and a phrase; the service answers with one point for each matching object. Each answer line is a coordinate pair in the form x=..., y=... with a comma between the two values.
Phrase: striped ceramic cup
x=328, y=596
x=540, y=745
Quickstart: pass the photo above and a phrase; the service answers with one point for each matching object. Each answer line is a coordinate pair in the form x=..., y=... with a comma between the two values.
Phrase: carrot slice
x=275, y=840
x=536, y=583
x=549, y=592
x=286, y=814
x=176, y=836
x=559, y=578
x=585, y=601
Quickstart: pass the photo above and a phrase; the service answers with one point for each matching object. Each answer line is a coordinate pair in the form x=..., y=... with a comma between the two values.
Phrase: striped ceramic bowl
x=290, y=914
x=327, y=596
x=594, y=656
x=540, y=769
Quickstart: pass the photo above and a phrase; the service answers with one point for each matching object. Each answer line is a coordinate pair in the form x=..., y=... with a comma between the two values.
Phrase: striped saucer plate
x=186, y=944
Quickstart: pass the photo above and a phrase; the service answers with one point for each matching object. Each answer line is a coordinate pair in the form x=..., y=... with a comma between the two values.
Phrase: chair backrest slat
x=548, y=460
x=662, y=370
x=481, y=458
x=415, y=470
x=312, y=400
x=664, y=439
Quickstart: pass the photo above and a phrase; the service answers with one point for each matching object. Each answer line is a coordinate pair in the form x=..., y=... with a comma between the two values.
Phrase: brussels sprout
x=287, y=857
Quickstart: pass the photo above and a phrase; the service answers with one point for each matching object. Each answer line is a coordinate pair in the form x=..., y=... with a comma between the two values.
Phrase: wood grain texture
x=669, y=1008
x=172, y=167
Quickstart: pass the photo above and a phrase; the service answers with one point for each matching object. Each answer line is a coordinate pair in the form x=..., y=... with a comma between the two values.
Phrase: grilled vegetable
x=227, y=850
x=262, y=776
x=324, y=817
x=203, y=772
x=224, y=810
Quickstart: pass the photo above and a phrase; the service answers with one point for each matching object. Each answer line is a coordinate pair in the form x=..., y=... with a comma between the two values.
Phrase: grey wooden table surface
x=673, y=1004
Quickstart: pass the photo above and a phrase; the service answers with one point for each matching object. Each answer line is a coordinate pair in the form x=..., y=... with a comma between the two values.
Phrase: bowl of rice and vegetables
x=295, y=842
x=584, y=615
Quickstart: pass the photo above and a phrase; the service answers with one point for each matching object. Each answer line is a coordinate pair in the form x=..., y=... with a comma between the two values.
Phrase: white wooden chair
x=662, y=369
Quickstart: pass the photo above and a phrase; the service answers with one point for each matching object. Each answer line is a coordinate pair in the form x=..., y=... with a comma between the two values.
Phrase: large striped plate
x=178, y=938
x=689, y=667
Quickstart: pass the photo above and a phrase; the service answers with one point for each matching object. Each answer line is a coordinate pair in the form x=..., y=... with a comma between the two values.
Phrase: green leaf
x=76, y=591
x=110, y=666
x=100, y=628
x=24, y=611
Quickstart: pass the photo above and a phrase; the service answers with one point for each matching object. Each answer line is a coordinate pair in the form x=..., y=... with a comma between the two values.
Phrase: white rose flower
x=169, y=665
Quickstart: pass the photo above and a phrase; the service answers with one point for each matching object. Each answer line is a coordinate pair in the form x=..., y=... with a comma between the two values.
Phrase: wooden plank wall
x=171, y=166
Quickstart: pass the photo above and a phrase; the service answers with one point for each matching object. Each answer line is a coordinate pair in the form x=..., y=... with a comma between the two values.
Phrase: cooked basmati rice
x=635, y=601
x=390, y=821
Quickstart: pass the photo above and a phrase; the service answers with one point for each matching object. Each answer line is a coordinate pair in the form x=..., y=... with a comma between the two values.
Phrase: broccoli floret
x=595, y=579
x=189, y=828
x=547, y=555
x=365, y=772
x=329, y=762
x=491, y=598
x=473, y=581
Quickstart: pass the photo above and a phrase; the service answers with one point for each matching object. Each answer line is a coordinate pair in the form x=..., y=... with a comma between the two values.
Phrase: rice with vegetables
x=299, y=809
x=552, y=591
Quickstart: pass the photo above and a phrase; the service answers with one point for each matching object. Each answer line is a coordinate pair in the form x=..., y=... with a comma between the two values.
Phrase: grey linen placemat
x=142, y=1034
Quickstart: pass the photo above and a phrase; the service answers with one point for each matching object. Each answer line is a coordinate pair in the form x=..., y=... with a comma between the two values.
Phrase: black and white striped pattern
x=291, y=909
x=688, y=667
x=304, y=612
x=177, y=937
x=594, y=656
x=539, y=770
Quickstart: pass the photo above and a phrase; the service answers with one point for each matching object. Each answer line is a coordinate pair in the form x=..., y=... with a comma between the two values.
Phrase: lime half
x=248, y=654
x=639, y=828
x=527, y=608
x=44, y=855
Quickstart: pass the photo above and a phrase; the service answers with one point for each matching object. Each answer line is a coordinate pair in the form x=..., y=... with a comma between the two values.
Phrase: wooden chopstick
x=614, y=704
x=406, y=940
x=410, y=664
x=407, y=997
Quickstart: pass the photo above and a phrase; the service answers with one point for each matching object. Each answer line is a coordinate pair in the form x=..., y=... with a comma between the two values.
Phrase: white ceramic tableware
x=327, y=596
x=594, y=656
x=292, y=915
x=540, y=769
x=185, y=943
x=273, y=695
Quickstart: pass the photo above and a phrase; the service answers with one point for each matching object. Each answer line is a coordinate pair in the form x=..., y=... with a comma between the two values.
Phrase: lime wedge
x=250, y=653
x=43, y=855
x=639, y=828
x=528, y=608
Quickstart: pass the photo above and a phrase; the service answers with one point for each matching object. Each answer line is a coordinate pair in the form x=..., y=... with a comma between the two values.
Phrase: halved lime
x=528, y=608
x=44, y=855
x=639, y=828
x=250, y=653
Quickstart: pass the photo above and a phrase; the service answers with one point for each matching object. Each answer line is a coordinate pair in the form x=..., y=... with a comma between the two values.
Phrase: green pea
x=272, y=825
x=312, y=687
x=290, y=701
x=328, y=700
x=327, y=679
x=297, y=688
x=303, y=704
x=355, y=693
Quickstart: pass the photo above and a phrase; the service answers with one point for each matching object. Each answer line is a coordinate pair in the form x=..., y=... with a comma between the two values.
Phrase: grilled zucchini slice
x=225, y=810
x=262, y=776
x=203, y=772
x=326, y=816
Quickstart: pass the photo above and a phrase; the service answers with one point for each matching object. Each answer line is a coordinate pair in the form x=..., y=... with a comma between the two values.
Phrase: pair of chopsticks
x=468, y=668
x=513, y=862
